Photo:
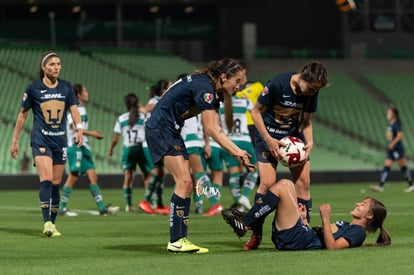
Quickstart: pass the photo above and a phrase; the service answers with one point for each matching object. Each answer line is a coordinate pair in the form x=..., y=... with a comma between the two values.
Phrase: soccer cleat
x=235, y=222
x=146, y=207
x=109, y=210
x=48, y=229
x=409, y=189
x=129, y=208
x=253, y=243
x=185, y=246
x=214, y=210
x=237, y=206
x=244, y=201
x=162, y=210
x=55, y=233
x=376, y=188
x=67, y=212
x=199, y=210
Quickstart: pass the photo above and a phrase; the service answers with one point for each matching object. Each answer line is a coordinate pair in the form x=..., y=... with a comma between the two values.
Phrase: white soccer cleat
x=68, y=213
x=376, y=188
x=409, y=189
x=244, y=201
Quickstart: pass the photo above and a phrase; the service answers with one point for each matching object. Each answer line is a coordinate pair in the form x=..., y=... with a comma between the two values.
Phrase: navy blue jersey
x=185, y=98
x=49, y=106
x=353, y=233
x=282, y=115
x=392, y=132
x=301, y=237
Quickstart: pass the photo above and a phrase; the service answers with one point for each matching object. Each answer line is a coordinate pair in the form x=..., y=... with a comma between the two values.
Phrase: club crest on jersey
x=265, y=91
x=208, y=98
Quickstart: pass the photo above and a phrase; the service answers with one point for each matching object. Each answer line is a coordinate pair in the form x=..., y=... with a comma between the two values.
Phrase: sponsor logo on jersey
x=50, y=96
x=208, y=98
x=292, y=104
x=43, y=91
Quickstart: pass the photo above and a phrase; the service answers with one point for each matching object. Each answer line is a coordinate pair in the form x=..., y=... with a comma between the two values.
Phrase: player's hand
x=207, y=151
x=302, y=213
x=308, y=148
x=245, y=159
x=14, y=150
x=325, y=211
x=97, y=134
x=274, y=147
x=79, y=138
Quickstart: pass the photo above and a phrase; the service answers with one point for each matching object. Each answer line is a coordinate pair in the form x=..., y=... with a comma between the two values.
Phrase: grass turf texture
x=135, y=243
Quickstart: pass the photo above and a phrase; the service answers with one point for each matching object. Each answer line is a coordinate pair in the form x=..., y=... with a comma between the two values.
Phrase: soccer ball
x=293, y=153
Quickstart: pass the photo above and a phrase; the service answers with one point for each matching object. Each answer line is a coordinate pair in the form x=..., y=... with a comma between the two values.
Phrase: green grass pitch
x=135, y=243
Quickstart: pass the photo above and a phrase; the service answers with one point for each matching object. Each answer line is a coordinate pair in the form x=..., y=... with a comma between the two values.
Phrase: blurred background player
x=155, y=184
x=194, y=142
x=130, y=126
x=50, y=98
x=251, y=91
x=236, y=128
x=214, y=161
x=395, y=152
x=80, y=158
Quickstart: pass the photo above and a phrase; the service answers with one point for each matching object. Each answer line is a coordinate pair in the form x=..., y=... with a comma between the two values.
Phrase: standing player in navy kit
x=187, y=97
x=284, y=109
x=50, y=98
x=395, y=152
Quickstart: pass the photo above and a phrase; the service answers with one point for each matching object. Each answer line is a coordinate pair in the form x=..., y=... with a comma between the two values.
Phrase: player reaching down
x=187, y=97
x=283, y=109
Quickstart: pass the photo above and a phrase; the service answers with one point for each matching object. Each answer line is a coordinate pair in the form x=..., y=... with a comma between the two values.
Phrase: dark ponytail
x=379, y=213
x=131, y=103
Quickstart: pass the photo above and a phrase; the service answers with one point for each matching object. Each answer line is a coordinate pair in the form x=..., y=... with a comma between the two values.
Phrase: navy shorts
x=396, y=154
x=299, y=237
x=262, y=152
x=162, y=143
x=58, y=155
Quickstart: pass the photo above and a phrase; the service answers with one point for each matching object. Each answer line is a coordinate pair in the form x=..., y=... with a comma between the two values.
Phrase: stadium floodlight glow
x=189, y=9
x=76, y=9
x=33, y=9
x=154, y=9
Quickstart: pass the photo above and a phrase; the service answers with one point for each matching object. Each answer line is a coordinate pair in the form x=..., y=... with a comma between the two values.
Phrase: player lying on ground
x=290, y=228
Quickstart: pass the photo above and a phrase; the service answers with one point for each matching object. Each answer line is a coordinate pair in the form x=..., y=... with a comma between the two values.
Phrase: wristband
x=79, y=126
